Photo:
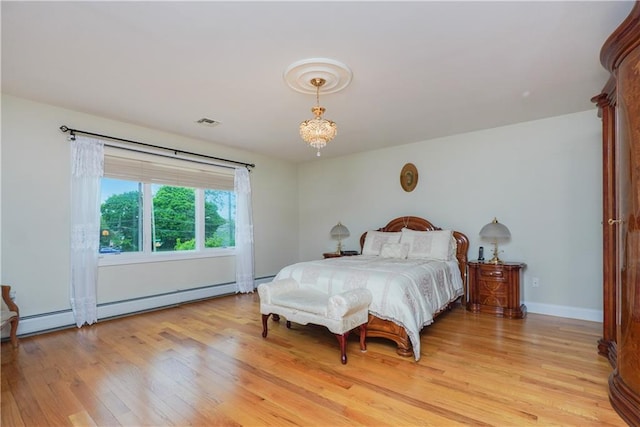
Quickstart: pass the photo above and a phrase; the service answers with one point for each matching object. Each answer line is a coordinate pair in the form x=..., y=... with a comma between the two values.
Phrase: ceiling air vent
x=207, y=122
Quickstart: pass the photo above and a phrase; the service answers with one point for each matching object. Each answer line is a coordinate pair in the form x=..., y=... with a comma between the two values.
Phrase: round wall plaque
x=409, y=177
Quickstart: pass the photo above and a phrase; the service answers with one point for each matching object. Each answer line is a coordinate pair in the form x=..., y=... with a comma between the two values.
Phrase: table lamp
x=493, y=232
x=339, y=232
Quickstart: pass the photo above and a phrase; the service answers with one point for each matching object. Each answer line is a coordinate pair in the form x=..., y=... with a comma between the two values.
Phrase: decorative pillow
x=394, y=250
x=375, y=239
x=428, y=244
x=453, y=248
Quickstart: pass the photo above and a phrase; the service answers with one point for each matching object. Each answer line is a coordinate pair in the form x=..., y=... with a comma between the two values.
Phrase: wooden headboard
x=421, y=224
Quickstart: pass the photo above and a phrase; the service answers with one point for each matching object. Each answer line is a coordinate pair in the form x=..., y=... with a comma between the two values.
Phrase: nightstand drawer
x=492, y=274
x=492, y=287
x=493, y=293
x=494, y=300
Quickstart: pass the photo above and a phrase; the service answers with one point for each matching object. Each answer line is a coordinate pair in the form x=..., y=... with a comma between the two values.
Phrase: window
x=149, y=206
x=120, y=216
x=219, y=220
x=173, y=218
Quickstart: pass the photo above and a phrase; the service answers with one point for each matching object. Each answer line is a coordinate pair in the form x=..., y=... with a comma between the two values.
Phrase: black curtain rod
x=72, y=132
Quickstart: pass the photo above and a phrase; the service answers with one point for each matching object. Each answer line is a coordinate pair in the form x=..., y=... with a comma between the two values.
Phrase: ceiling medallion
x=336, y=75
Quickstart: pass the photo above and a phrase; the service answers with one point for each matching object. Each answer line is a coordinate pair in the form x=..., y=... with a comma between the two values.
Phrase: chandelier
x=317, y=132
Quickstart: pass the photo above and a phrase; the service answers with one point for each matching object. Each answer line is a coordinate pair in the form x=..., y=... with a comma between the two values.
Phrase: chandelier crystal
x=317, y=132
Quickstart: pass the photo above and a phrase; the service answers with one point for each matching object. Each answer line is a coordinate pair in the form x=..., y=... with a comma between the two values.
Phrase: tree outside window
x=173, y=217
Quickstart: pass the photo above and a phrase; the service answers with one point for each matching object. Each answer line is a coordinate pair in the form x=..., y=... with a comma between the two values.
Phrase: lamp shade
x=339, y=232
x=494, y=230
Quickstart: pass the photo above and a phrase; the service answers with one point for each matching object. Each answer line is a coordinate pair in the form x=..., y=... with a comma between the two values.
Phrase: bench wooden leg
x=363, y=337
x=265, y=317
x=342, y=339
x=14, y=332
x=276, y=318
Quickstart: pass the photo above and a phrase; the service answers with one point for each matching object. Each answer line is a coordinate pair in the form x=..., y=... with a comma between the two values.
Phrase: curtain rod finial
x=63, y=128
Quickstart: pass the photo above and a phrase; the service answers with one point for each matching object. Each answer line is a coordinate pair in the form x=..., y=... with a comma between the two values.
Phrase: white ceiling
x=420, y=69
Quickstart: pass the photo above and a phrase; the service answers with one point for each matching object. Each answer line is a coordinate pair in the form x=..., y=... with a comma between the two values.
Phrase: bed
x=410, y=285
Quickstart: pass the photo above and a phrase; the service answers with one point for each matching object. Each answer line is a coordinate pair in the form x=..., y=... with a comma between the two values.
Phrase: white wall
x=542, y=179
x=35, y=196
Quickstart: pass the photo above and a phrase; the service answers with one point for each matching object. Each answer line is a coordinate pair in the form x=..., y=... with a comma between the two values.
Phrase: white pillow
x=375, y=239
x=394, y=250
x=428, y=244
x=453, y=248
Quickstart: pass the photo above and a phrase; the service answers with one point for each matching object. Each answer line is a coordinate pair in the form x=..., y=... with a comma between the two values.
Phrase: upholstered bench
x=340, y=313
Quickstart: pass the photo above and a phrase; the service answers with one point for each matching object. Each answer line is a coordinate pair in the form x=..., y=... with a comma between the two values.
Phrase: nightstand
x=331, y=255
x=338, y=255
x=495, y=289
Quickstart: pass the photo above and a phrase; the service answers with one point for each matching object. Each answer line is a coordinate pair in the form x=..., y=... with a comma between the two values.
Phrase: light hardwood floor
x=206, y=363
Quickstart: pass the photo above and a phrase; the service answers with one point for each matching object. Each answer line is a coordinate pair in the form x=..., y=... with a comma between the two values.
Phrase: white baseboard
x=264, y=280
x=64, y=319
x=565, y=311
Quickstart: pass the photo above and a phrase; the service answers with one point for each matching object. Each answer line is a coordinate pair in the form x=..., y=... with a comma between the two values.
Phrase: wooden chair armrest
x=6, y=297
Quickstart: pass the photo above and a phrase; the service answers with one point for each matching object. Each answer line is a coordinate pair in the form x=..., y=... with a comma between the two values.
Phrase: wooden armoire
x=619, y=108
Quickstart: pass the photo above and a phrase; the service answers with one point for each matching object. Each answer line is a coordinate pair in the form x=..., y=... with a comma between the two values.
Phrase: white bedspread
x=408, y=292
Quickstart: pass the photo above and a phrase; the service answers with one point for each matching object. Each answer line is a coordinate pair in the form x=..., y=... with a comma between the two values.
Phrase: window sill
x=124, y=258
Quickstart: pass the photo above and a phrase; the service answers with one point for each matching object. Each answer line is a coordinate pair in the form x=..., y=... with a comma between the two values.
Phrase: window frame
x=146, y=255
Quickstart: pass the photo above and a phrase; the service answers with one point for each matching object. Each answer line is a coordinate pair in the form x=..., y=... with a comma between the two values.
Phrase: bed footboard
x=380, y=328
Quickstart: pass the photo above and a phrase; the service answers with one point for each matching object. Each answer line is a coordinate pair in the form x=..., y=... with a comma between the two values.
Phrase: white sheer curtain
x=244, y=232
x=87, y=165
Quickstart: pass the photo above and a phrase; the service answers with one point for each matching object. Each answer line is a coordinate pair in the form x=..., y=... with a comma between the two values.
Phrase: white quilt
x=408, y=292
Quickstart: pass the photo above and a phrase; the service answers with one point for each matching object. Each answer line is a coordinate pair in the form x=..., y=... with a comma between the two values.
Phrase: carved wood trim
x=622, y=41
x=421, y=224
x=624, y=400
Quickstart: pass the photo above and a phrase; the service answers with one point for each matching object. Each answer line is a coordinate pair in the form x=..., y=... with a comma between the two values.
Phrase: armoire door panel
x=628, y=169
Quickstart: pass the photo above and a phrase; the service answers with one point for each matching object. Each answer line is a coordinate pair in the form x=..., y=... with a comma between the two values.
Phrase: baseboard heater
x=47, y=322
